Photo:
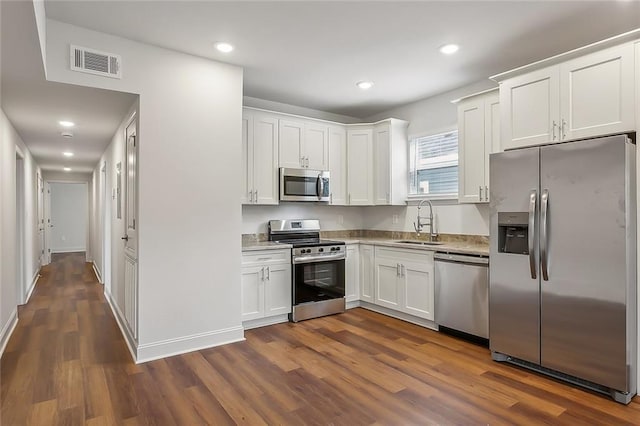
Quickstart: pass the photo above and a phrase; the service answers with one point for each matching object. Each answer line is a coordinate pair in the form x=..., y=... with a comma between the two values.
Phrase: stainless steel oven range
x=318, y=271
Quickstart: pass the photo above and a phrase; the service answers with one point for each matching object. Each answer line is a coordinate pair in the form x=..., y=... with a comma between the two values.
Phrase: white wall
x=332, y=218
x=189, y=142
x=13, y=293
x=69, y=207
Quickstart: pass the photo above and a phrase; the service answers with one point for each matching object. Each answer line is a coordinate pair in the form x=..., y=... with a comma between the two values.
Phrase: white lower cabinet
x=352, y=273
x=366, y=272
x=265, y=284
x=404, y=281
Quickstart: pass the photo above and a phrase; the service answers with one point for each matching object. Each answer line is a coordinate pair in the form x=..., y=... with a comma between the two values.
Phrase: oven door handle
x=320, y=258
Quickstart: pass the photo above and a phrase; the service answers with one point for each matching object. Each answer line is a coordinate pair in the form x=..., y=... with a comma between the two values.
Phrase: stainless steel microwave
x=304, y=185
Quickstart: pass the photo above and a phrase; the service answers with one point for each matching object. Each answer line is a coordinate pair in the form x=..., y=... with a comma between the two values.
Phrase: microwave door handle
x=320, y=186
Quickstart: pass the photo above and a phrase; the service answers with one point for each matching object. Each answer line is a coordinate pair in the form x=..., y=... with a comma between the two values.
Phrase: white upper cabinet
x=390, y=157
x=360, y=166
x=303, y=145
x=478, y=136
x=596, y=93
x=316, y=146
x=338, y=165
x=259, y=158
x=530, y=106
x=584, y=97
x=291, y=144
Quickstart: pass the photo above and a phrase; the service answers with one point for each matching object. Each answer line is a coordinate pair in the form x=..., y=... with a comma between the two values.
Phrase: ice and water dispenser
x=513, y=232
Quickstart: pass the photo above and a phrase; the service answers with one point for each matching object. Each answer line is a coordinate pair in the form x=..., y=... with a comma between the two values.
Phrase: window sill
x=442, y=200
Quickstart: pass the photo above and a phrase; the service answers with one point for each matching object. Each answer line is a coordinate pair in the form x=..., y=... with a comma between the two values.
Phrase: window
x=433, y=165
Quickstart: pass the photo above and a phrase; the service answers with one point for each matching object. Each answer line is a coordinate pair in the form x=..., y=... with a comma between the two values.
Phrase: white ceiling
x=35, y=106
x=311, y=54
x=304, y=53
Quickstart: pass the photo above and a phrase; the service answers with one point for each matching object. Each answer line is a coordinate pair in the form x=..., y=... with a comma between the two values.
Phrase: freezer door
x=584, y=270
x=514, y=291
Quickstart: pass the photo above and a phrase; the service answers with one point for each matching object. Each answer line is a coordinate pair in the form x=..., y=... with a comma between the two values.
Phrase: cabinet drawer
x=266, y=257
x=407, y=255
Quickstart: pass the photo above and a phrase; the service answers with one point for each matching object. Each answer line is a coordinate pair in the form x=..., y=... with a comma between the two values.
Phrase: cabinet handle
x=388, y=198
x=349, y=198
x=486, y=193
x=553, y=130
x=480, y=192
x=262, y=277
x=402, y=270
x=564, y=133
x=256, y=197
x=268, y=273
x=331, y=198
x=307, y=162
x=251, y=196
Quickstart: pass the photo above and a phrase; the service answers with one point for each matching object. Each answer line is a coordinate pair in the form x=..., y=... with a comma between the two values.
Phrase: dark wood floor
x=67, y=363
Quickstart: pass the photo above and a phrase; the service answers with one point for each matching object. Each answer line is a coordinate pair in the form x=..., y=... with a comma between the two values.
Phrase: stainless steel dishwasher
x=462, y=293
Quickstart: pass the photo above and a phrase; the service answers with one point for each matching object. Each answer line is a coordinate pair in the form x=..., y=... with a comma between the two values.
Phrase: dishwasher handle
x=459, y=258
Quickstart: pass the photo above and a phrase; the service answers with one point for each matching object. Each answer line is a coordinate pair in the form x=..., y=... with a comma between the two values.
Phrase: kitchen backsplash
x=393, y=235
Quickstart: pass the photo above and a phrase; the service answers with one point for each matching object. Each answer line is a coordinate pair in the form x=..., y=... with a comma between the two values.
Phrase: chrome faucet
x=418, y=227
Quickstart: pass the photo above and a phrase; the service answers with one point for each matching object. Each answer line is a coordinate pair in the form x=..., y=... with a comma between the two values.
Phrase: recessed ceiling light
x=364, y=85
x=66, y=123
x=67, y=169
x=224, y=47
x=68, y=154
x=449, y=49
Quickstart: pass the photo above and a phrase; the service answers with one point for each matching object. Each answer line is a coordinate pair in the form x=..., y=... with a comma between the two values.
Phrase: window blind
x=433, y=164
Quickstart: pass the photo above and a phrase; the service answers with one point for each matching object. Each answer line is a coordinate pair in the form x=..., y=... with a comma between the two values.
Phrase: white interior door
x=47, y=223
x=131, y=185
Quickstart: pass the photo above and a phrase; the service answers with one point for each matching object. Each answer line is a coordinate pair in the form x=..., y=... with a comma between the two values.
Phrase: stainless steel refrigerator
x=562, y=292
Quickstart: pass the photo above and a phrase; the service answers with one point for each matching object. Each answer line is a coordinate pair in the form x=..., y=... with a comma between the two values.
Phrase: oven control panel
x=310, y=251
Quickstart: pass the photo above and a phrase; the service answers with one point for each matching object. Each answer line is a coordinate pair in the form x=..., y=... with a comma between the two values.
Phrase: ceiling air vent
x=95, y=62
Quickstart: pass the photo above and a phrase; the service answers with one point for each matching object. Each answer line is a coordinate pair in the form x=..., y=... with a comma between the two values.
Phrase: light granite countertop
x=264, y=245
x=461, y=247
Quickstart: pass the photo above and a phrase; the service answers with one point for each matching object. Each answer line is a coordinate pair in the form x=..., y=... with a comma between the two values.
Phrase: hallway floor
x=67, y=364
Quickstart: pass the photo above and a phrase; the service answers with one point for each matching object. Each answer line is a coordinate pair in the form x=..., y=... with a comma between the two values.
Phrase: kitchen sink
x=419, y=243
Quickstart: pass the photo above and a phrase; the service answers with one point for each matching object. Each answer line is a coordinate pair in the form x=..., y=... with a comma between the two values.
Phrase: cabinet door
x=471, y=150
x=247, y=158
x=360, y=167
x=387, y=280
x=366, y=273
x=352, y=278
x=596, y=93
x=265, y=159
x=252, y=292
x=338, y=165
x=382, y=163
x=277, y=299
x=316, y=146
x=530, y=108
x=491, y=135
x=291, y=144
x=417, y=282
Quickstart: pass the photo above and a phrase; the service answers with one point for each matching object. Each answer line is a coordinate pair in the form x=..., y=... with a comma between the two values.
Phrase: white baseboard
x=399, y=315
x=170, y=347
x=68, y=250
x=7, y=330
x=34, y=280
x=262, y=322
x=353, y=304
x=131, y=343
x=97, y=272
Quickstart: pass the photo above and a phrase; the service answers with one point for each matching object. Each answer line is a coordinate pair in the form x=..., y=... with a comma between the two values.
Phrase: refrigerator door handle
x=533, y=199
x=544, y=249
